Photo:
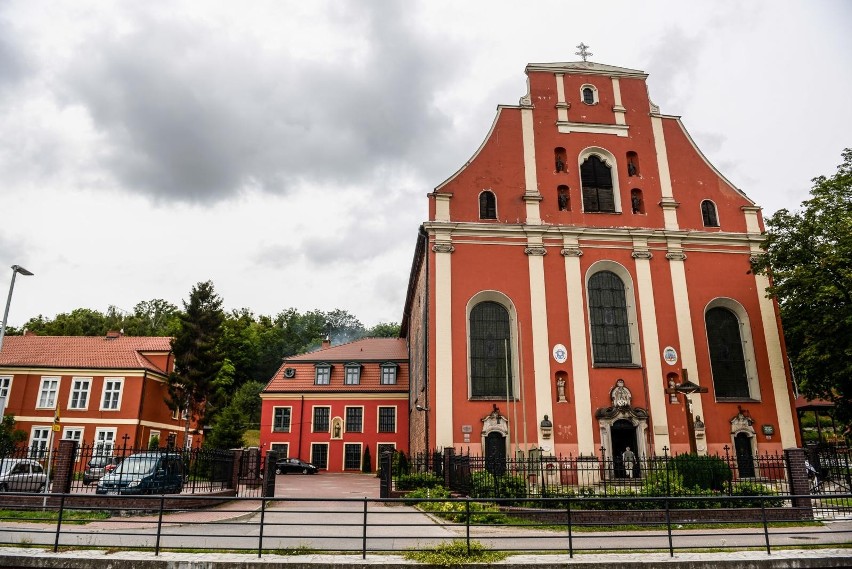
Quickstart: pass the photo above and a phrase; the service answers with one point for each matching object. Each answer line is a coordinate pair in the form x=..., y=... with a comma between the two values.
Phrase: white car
x=21, y=475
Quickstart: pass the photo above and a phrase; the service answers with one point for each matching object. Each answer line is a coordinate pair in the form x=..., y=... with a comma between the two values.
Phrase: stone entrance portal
x=622, y=426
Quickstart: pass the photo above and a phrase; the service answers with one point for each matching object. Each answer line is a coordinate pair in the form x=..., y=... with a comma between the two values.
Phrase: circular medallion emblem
x=670, y=355
x=560, y=353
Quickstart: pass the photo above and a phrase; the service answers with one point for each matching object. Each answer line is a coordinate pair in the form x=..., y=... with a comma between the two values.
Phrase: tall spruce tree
x=198, y=359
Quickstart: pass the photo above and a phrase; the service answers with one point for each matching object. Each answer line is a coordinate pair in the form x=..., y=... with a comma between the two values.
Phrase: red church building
x=583, y=276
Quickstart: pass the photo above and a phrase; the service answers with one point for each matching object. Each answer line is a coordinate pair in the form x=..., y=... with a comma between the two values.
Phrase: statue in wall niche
x=620, y=395
x=560, y=165
x=563, y=201
x=560, y=390
x=631, y=169
x=636, y=203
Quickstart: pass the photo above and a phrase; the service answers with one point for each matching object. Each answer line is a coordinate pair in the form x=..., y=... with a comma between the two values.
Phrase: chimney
x=29, y=332
x=112, y=334
x=326, y=343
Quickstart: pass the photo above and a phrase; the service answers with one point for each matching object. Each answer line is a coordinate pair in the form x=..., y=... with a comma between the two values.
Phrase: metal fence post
x=59, y=523
x=669, y=528
x=467, y=522
x=765, y=525
x=159, y=524
x=260, y=531
x=364, y=534
x=570, y=533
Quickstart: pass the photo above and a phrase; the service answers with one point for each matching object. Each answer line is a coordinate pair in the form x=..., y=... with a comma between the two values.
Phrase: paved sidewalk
x=792, y=559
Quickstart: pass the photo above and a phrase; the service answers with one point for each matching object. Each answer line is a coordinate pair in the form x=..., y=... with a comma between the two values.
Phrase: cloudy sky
x=284, y=149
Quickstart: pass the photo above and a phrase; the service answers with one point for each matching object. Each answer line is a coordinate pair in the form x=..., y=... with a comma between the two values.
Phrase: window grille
x=609, y=322
x=319, y=455
x=321, y=419
x=596, y=178
x=354, y=419
x=490, y=363
x=487, y=206
x=387, y=419
x=281, y=420
x=352, y=456
x=727, y=360
x=708, y=214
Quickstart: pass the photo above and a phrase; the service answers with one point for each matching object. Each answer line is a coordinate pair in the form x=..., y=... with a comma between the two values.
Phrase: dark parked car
x=287, y=465
x=98, y=466
x=145, y=473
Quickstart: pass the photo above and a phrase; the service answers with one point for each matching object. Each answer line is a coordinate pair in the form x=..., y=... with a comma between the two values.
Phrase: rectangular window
x=352, y=456
x=73, y=434
x=282, y=449
x=353, y=375
x=319, y=455
x=388, y=375
x=154, y=439
x=79, y=393
x=354, y=419
x=281, y=420
x=323, y=376
x=321, y=418
x=47, y=392
x=112, y=393
x=387, y=419
x=39, y=438
x=104, y=441
x=5, y=386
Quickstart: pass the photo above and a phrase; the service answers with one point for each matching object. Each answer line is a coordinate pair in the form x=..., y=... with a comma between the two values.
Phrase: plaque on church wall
x=467, y=428
x=670, y=355
x=560, y=353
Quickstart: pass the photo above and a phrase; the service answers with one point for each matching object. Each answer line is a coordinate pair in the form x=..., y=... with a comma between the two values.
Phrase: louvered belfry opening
x=596, y=178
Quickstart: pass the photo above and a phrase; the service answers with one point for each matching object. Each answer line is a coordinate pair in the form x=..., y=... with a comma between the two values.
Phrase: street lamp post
x=15, y=270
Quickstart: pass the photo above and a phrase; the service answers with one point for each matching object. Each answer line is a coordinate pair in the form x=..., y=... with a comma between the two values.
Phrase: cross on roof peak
x=584, y=53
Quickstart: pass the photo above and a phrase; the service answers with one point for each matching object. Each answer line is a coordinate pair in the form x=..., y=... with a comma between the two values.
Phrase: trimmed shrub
x=418, y=480
x=483, y=484
x=749, y=488
x=705, y=472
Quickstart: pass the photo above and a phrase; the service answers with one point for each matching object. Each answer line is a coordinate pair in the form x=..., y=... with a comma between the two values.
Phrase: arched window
x=727, y=359
x=708, y=214
x=596, y=177
x=490, y=351
x=609, y=320
x=487, y=205
x=589, y=94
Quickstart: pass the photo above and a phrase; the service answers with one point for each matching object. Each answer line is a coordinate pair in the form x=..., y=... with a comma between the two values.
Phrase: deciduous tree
x=809, y=258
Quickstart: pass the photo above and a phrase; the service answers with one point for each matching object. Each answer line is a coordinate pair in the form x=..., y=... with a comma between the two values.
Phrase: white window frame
x=632, y=318
x=85, y=391
x=106, y=392
x=360, y=455
x=39, y=439
x=389, y=370
x=346, y=414
x=275, y=447
x=289, y=425
x=314, y=417
x=78, y=432
x=747, y=342
x=352, y=374
x=6, y=386
x=327, y=456
x=47, y=396
x=105, y=436
x=595, y=98
x=153, y=434
x=379, y=418
x=608, y=158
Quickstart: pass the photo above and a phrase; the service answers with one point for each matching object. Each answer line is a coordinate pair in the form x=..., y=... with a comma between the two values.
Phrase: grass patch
x=51, y=516
x=456, y=554
x=298, y=550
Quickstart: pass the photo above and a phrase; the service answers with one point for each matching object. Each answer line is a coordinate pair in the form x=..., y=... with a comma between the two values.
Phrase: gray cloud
x=189, y=115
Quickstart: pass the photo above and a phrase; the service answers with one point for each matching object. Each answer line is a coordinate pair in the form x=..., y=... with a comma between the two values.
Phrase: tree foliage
x=809, y=258
x=198, y=359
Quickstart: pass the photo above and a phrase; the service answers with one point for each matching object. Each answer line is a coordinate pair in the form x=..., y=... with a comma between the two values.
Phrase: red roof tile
x=94, y=352
x=369, y=352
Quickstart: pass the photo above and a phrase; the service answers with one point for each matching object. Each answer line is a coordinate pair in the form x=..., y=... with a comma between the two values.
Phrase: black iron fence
x=87, y=469
x=542, y=476
x=287, y=526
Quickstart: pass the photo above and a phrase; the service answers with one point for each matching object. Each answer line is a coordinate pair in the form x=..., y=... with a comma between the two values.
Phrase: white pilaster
x=530, y=174
x=443, y=341
x=669, y=213
x=540, y=341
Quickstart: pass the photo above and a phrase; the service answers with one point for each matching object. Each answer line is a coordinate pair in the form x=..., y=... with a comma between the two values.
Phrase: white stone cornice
x=642, y=254
x=676, y=256
x=572, y=252
x=566, y=127
x=535, y=251
x=443, y=248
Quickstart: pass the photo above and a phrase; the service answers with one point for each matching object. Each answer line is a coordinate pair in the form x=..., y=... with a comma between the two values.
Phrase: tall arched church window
x=487, y=205
x=609, y=321
x=490, y=351
x=596, y=177
x=708, y=214
x=727, y=360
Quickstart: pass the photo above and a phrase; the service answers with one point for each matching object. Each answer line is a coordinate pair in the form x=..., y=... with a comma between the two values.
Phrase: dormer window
x=389, y=373
x=353, y=374
x=589, y=94
x=323, y=374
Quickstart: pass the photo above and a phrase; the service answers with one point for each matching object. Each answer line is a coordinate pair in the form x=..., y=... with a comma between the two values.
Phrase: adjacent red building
x=581, y=270
x=336, y=405
x=107, y=391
